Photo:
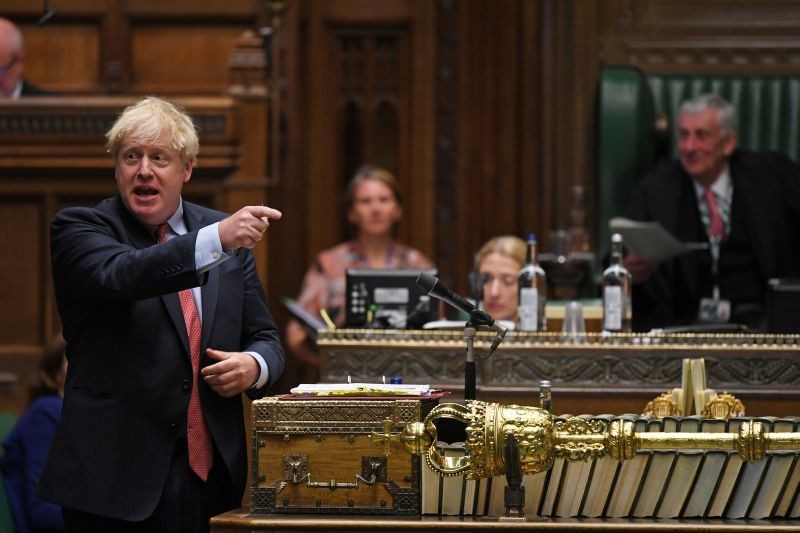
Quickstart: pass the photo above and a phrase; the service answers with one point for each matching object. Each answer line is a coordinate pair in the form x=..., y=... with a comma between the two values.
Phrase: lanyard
x=715, y=244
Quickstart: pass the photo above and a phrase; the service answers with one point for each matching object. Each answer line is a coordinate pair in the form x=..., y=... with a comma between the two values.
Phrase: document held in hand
x=651, y=240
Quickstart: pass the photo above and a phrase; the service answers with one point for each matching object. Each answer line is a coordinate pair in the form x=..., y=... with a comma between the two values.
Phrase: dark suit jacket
x=129, y=375
x=29, y=89
x=765, y=185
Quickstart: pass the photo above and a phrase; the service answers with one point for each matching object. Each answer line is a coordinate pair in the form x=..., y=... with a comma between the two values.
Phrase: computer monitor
x=399, y=303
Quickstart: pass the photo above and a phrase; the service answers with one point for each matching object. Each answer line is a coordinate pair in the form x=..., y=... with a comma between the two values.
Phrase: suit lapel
x=688, y=230
x=173, y=305
x=677, y=212
x=140, y=238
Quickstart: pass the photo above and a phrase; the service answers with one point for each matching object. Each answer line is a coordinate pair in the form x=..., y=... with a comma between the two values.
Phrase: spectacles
x=4, y=69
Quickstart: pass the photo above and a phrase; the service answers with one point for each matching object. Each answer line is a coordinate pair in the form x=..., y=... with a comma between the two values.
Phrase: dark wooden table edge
x=241, y=520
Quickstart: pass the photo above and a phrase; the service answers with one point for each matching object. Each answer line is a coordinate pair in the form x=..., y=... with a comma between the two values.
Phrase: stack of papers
x=361, y=389
x=651, y=240
x=460, y=324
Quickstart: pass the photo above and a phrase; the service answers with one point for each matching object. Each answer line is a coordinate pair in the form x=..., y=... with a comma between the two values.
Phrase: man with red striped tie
x=166, y=324
x=744, y=204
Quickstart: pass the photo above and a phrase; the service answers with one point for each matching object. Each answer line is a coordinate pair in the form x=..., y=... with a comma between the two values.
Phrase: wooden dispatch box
x=334, y=456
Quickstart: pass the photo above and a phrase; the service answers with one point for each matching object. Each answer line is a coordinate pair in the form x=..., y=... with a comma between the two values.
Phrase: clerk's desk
x=239, y=521
x=613, y=374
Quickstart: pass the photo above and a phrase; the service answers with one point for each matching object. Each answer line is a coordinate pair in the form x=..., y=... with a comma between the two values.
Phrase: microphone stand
x=476, y=320
x=469, y=367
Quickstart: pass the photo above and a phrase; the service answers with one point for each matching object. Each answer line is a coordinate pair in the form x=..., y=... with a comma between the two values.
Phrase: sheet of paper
x=312, y=322
x=651, y=240
x=361, y=389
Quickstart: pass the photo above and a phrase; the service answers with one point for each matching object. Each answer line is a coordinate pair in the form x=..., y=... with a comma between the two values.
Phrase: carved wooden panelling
x=447, y=142
x=372, y=65
x=761, y=368
x=52, y=60
x=21, y=269
x=185, y=59
x=341, y=364
x=663, y=36
x=93, y=126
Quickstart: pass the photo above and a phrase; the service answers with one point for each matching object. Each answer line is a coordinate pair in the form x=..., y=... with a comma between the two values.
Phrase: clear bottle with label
x=617, y=310
x=532, y=292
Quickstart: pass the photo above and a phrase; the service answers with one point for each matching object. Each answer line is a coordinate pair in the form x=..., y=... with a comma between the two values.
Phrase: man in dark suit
x=746, y=205
x=12, y=63
x=166, y=324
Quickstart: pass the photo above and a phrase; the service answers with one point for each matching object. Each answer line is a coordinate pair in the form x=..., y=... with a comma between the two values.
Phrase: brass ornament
x=661, y=406
x=579, y=450
x=723, y=406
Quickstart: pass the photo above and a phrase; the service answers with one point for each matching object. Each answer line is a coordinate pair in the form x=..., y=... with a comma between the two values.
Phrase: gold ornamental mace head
x=540, y=438
x=487, y=427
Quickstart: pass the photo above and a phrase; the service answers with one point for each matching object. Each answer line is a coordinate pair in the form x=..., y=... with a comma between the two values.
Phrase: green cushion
x=7, y=421
x=768, y=107
x=626, y=142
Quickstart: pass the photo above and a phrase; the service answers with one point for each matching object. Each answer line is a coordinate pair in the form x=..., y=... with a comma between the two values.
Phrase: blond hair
x=506, y=245
x=153, y=119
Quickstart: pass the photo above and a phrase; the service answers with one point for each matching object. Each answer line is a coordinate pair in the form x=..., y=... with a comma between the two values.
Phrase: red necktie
x=716, y=227
x=201, y=454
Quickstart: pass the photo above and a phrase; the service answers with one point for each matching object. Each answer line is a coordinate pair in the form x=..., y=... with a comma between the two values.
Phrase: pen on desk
x=327, y=319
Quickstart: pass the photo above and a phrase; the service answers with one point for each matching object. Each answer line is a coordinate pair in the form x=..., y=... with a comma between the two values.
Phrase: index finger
x=219, y=367
x=261, y=211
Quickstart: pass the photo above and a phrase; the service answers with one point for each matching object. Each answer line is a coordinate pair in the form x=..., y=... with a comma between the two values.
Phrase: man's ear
x=190, y=163
x=730, y=143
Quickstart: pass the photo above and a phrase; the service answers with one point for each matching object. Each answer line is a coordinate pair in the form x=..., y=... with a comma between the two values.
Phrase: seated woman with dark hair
x=373, y=208
x=28, y=444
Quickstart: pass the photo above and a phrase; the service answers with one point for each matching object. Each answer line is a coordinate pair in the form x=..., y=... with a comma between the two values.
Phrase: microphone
x=47, y=15
x=430, y=284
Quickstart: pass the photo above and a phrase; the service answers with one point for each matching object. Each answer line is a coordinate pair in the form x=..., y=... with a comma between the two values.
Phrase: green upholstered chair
x=637, y=116
x=7, y=421
x=626, y=143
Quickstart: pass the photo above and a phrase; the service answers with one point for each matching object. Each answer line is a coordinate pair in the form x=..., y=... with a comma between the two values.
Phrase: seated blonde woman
x=498, y=263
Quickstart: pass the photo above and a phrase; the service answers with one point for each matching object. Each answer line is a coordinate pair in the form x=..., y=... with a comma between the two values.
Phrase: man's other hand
x=232, y=374
x=639, y=266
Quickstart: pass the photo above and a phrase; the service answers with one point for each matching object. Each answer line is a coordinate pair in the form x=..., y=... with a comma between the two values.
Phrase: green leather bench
x=636, y=125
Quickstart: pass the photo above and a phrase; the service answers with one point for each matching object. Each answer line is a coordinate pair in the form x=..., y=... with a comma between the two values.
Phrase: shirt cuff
x=208, y=251
x=263, y=375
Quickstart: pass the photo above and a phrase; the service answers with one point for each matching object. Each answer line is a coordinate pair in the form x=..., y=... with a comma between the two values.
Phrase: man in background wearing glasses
x=12, y=61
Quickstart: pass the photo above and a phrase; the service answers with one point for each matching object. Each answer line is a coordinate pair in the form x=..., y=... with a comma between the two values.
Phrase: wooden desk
x=605, y=374
x=240, y=520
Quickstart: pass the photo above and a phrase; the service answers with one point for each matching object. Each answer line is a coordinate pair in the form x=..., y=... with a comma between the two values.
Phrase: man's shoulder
x=106, y=208
x=29, y=89
x=664, y=173
x=205, y=213
x=759, y=162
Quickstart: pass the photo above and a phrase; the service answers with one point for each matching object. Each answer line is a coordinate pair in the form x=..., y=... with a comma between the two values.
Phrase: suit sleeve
x=92, y=258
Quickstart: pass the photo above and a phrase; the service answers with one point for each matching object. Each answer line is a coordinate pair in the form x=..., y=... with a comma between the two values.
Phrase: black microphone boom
x=431, y=285
x=477, y=318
